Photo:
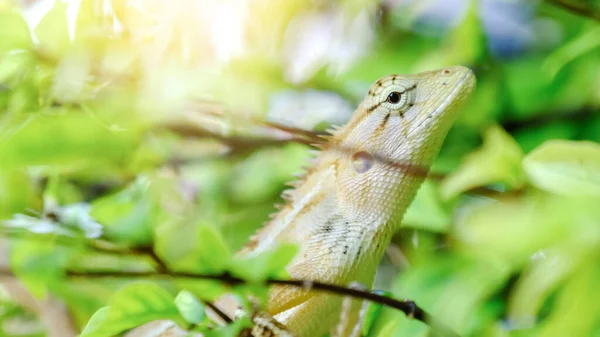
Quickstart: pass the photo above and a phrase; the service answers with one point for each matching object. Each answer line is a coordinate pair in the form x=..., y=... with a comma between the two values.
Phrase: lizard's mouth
x=442, y=113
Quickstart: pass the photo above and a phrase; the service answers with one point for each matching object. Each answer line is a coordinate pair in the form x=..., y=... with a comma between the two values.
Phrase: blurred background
x=140, y=133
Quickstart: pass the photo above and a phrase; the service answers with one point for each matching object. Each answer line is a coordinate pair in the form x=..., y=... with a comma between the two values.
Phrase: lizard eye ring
x=394, y=97
x=398, y=98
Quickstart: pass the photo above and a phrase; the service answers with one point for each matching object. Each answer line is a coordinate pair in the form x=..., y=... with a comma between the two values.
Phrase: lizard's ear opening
x=362, y=161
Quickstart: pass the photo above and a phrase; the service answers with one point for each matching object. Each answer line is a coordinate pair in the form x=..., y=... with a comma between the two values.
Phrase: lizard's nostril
x=446, y=71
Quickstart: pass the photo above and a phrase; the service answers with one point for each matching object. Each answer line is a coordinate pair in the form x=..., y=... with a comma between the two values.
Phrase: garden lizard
x=344, y=211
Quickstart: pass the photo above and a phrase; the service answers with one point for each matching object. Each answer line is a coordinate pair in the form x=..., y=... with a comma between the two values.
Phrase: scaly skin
x=346, y=209
x=343, y=213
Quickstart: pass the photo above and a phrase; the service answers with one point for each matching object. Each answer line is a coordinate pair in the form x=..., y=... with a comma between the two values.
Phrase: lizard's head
x=399, y=127
x=406, y=117
x=414, y=104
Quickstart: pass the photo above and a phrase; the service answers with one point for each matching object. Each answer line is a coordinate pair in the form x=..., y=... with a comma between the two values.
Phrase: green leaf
x=14, y=64
x=190, y=308
x=212, y=248
x=392, y=323
x=92, y=24
x=132, y=306
x=540, y=279
x=565, y=167
x=207, y=290
x=23, y=99
x=97, y=323
x=523, y=79
x=230, y=330
x=17, y=192
x=259, y=177
x=497, y=161
x=53, y=32
x=128, y=215
x=84, y=298
x=271, y=263
x=14, y=32
x=451, y=287
x=72, y=75
x=586, y=42
x=467, y=39
x=190, y=247
x=38, y=264
x=374, y=310
x=67, y=142
x=515, y=229
x=577, y=306
x=426, y=211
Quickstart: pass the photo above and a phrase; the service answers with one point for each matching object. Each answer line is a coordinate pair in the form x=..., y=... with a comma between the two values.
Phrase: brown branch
x=161, y=266
x=237, y=143
x=243, y=144
x=104, y=247
x=94, y=245
x=99, y=246
x=218, y=311
x=410, y=308
x=407, y=306
x=579, y=8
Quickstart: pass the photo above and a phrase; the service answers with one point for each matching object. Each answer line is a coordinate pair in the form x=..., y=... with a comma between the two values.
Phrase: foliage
x=133, y=140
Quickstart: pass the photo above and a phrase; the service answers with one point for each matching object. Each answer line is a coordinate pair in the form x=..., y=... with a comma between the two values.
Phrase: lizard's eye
x=394, y=97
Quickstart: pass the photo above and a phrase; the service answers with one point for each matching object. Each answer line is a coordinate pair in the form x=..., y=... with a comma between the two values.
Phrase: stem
x=409, y=307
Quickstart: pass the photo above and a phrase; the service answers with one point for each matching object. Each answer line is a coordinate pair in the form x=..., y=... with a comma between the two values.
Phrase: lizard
x=343, y=212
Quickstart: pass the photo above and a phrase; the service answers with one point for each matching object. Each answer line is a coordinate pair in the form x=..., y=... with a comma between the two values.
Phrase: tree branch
x=409, y=307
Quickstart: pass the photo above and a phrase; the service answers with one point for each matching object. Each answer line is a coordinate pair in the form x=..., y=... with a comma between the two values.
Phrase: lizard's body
x=343, y=213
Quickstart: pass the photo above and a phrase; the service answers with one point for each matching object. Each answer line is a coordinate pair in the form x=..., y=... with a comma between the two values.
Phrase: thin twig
x=104, y=247
x=218, y=311
x=408, y=307
x=161, y=266
x=316, y=139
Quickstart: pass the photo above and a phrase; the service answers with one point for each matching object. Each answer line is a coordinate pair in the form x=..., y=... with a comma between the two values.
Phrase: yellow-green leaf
x=190, y=307
x=192, y=247
x=38, y=263
x=14, y=64
x=53, y=32
x=586, y=42
x=14, y=33
x=132, y=306
x=565, y=167
x=230, y=330
x=271, y=263
x=69, y=142
x=497, y=161
x=213, y=249
x=467, y=41
x=426, y=211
